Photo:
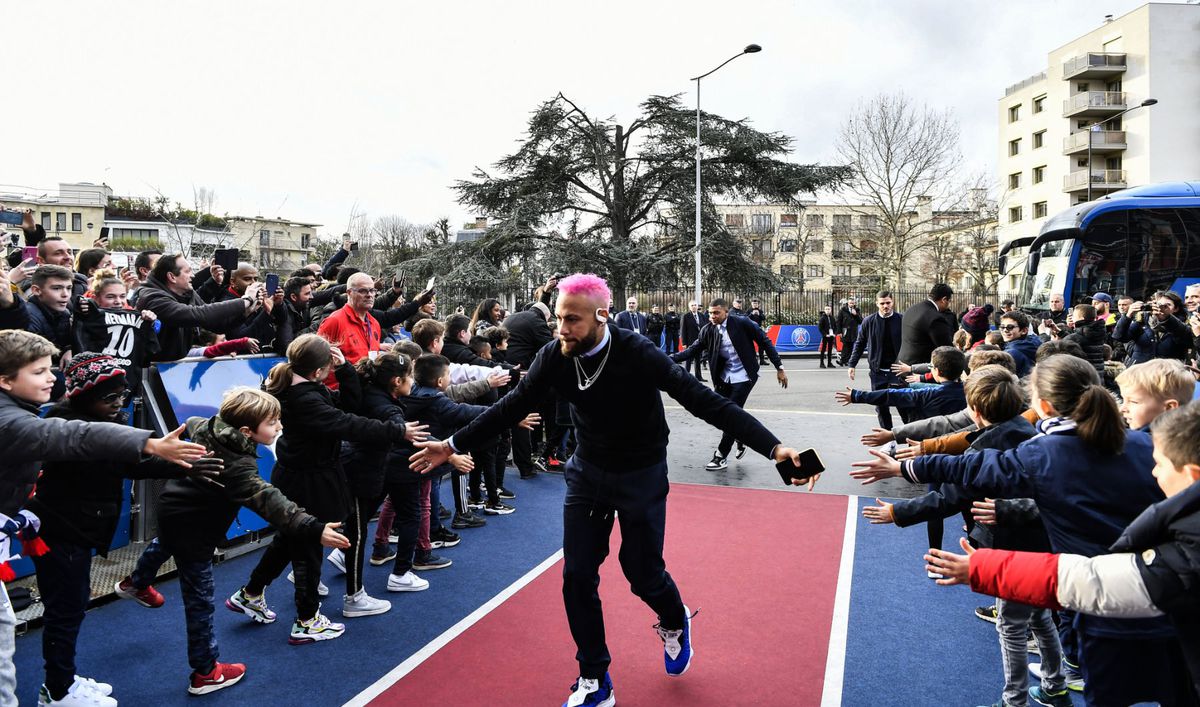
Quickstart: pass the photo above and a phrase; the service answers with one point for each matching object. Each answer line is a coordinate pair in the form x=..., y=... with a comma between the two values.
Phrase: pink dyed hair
x=588, y=285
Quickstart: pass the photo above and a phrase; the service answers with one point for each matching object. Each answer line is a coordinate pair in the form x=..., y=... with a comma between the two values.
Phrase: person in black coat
x=528, y=332
x=849, y=319
x=926, y=328
x=308, y=467
x=655, y=323
x=671, y=326
x=880, y=336
x=827, y=326
x=690, y=325
x=729, y=343
x=757, y=316
x=168, y=293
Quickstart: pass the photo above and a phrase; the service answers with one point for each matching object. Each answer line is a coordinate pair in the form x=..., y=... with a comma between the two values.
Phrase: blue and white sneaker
x=677, y=645
x=592, y=693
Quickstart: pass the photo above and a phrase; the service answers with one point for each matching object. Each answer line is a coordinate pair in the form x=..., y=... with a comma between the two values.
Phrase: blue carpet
x=911, y=641
x=143, y=653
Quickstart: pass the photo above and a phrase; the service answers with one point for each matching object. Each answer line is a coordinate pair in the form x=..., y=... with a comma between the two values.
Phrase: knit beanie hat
x=976, y=318
x=90, y=371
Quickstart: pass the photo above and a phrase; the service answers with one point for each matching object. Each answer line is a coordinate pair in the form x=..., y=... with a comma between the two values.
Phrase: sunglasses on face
x=1009, y=327
x=118, y=398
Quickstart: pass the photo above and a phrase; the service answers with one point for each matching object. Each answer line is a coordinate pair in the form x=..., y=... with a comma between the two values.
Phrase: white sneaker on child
x=80, y=694
x=409, y=582
x=363, y=604
x=337, y=558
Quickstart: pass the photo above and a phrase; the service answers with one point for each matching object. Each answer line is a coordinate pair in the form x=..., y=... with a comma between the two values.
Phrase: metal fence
x=795, y=306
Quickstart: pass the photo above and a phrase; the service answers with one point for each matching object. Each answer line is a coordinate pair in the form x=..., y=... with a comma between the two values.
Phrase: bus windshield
x=1051, y=276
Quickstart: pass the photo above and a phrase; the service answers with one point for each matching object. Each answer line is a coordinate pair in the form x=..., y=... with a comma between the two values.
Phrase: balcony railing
x=1101, y=178
x=1093, y=65
x=1102, y=141
x=854, y=281
x=853, y=255
x=1098, y=102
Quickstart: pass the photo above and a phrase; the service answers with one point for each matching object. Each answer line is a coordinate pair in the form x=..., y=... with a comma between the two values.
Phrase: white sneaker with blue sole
x=592, y=693
x=677, y=645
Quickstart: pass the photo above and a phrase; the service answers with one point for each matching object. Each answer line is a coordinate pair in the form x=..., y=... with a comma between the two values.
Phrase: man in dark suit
x=926, y=327
x=880, y=336
x=528, y=332
x=729, y=342
x=631, y=318
x=827, y=326
x=757, y=316
x=692, y=323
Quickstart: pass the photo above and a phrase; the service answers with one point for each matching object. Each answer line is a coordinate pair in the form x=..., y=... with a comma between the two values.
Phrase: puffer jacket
x=1092, y=339
x=368, y=464
x=1169, y=338
x=194, y=515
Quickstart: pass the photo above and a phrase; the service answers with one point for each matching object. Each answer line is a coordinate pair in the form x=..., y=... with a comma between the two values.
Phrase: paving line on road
x=790, y=412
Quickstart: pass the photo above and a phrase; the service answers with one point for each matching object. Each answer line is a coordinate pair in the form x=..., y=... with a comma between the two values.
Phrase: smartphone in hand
x=272, y=283
x=810, y=465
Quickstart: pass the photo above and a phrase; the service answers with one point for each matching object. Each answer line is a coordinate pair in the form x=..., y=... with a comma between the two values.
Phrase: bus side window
x=1102, y=265
x=1191, y=226
x=1158, y=248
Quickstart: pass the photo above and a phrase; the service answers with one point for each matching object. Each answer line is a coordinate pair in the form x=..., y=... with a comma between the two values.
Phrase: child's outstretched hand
x=416, y=432
x=330, y=537
x=843, y=396
x=462, y=462
x=531, y=420
x=174, y=449
x=955, y=569
x=984, y=511
x=911, y=451
x=881, y=467
x=881, y=514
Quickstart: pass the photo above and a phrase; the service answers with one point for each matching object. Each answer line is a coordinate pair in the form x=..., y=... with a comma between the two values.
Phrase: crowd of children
x=1086, y=479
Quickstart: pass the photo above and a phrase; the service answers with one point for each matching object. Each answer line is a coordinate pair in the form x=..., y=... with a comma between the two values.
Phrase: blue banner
x=195, y=388
x=795, y=338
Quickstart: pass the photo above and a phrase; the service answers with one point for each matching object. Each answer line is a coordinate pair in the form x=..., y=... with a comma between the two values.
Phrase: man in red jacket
x=352, y=328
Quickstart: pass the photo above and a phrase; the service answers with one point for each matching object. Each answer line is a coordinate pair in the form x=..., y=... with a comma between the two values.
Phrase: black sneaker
x=506, y=494
x=443, y=513
x=539, y=464
x=475, y=503
x=431, y=562
x=718, y=463
x=741, y=451
x=382, y=554
x=987, y=613
x=443, y=538
x=498, y=509
x=467, y=520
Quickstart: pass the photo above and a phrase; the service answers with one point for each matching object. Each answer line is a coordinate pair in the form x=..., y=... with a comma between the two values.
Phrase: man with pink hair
x=612, y=377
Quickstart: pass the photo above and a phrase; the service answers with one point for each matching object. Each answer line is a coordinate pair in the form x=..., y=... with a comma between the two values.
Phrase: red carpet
x=760, y=565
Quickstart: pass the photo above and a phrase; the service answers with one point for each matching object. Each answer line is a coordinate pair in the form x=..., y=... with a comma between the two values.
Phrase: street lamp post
x=1099, y=123
x=750, y=49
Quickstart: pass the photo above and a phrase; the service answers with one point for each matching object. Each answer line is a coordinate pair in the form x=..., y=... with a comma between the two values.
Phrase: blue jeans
x=196, y=586
x=738, y=393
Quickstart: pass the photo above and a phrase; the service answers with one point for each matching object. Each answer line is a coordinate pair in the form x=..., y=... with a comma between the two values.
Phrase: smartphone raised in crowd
x=29, y=252
x=429, y=285
x=12, y=218
x=272, y=284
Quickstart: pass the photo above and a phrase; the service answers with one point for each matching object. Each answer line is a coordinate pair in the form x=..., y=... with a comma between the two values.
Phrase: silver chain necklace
x=582, y=379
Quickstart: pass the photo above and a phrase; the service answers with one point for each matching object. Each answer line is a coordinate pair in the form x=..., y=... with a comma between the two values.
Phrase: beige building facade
x=75, y=212
x=1047, y=121
x=279, y=245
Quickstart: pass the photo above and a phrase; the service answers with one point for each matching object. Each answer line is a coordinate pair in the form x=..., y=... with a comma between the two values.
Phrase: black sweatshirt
x=619, y=420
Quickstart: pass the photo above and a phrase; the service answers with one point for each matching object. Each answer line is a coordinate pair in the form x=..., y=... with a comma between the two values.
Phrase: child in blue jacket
x=948, y=364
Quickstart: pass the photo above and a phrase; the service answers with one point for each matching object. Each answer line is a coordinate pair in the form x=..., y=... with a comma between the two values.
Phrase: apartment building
x=836, y=246
x=277, y=244
x=74, y=212
x=1079, y=128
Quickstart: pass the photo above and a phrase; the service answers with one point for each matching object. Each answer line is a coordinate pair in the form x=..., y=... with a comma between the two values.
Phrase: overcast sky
x=304, y=109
